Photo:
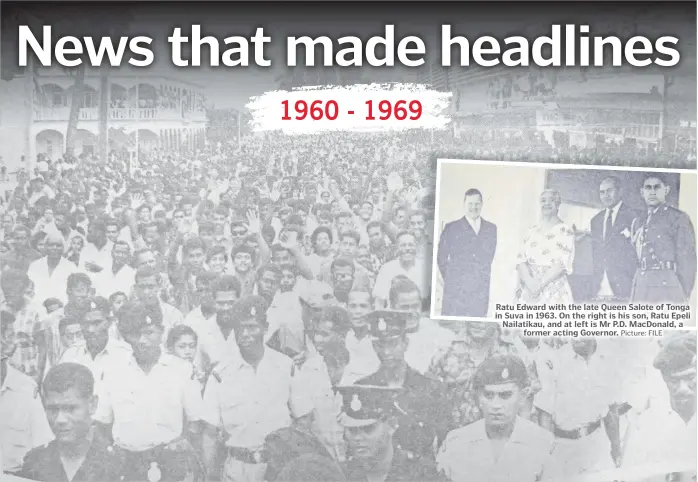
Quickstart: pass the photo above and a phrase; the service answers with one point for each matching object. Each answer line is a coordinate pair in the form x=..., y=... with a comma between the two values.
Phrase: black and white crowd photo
x=542, y=234
x=184, y=298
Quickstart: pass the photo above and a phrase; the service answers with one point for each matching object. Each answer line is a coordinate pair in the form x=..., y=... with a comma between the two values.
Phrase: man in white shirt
x=99, y=346
x=426, y=337
x=150, y=401
x=363, y=360
x=50, y=273
x=614, y=257
x=664, y=436
x=582, y=409
x=120, y=277
x=247, y=397
x=216, y=337
x=146, y=290
x=501, y=446
x=95, y=257
x=407, y=264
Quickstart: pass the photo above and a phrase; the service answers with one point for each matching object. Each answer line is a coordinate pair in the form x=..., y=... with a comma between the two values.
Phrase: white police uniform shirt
x=148, y=409
x=250, y=403
x=467, y=454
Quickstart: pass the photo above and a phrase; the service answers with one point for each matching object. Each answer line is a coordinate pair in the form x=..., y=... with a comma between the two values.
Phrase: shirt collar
x=613, y=210
x=474, y=223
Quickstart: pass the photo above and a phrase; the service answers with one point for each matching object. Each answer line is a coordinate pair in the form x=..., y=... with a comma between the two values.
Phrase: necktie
x=609, y=224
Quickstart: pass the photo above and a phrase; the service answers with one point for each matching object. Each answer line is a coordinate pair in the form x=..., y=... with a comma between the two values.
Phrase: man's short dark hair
x=65, y=376
x=145, y=272
x=472, y=192
x=342, y=262
x=399, y=285
x=653, y=175
x=226, y=283
x=191, y=244
x=350, y=233
x=268, y=267
x=243, y=249
x=374, y=224
x=419, y=212
x=75, y=279
x=319, y=230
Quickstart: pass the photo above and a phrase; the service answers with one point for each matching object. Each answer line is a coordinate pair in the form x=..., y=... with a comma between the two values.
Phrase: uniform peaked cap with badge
x=499, y=370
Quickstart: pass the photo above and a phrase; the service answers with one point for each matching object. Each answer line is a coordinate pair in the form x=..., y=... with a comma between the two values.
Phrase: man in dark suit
x=614, y=257
x=466, y=251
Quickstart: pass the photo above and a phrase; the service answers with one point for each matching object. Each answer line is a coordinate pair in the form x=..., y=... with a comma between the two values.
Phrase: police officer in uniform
x=371, y=419
x=424, y=414
x=247, y=397
x=501, y=446
x=664, y=435
x=79, y=453
x=150, y=403
x=666, y=246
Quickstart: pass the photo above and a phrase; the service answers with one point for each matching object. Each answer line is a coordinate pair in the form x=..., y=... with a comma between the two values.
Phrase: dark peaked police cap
x=387, y=324
x=499, y=370
x=364, y=405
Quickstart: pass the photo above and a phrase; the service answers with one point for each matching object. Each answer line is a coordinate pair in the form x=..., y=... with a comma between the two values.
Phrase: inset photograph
x=508, y=233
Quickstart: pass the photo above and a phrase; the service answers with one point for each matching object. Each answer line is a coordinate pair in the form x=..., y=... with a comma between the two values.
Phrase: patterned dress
x=542, y=249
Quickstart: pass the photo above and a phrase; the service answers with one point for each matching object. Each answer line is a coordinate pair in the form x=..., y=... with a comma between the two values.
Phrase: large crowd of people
x=261, y=314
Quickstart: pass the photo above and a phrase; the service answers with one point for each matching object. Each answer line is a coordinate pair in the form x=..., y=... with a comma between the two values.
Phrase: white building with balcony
x=145, y=111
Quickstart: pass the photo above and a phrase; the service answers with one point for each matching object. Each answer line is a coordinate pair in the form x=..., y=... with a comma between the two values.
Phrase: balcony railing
x=118, y=113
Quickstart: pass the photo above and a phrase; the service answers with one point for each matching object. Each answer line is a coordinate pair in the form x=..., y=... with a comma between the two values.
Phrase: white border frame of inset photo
x=438, y=221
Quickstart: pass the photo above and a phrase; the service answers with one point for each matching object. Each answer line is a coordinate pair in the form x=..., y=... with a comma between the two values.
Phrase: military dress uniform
x=101, y=464
x=666, y=247
x=366, y=405
x=421, y=401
